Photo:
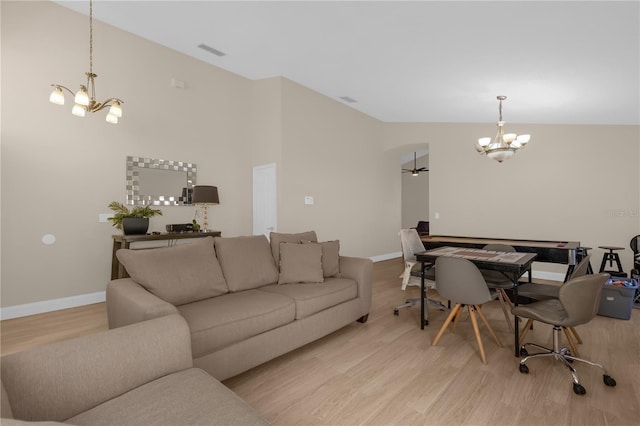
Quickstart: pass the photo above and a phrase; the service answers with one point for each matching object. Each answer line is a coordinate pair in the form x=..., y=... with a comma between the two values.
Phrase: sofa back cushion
x=179, y=274
x=330, y=257
x=246, y=262
x=278, y=237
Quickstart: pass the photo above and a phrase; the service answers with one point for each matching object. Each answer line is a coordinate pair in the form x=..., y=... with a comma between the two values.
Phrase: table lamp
x=205, y=196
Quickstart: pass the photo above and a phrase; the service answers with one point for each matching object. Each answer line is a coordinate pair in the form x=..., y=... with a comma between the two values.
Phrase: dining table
x=513, y=265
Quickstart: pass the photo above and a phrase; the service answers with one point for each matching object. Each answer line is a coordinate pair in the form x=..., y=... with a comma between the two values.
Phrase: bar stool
x=612, y=256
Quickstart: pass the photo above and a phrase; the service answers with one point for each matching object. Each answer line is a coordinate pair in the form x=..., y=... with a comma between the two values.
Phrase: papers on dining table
x=478, y=254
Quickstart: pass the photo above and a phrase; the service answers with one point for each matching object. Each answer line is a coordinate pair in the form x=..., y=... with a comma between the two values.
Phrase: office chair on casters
x=411, y=244
x=635, y=247
x=499, y=282
x=577, y=303
x=460, y=281
x=548, y=291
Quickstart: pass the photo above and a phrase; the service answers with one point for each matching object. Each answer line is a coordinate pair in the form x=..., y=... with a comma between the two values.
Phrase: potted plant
x=134, y=221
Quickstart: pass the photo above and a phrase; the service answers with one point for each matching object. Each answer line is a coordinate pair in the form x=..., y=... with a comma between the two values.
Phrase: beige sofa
x=141, y=374
x=247, y=299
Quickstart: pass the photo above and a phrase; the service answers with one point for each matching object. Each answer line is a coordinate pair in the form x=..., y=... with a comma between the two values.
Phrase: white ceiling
x=571, y=62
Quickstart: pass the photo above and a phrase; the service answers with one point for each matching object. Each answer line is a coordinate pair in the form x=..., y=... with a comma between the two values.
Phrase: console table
x=124, y=241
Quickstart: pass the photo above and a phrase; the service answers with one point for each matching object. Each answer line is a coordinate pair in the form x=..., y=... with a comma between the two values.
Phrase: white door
x=265, y=213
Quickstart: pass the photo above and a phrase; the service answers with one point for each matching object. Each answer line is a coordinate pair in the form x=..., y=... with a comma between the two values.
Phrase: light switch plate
x=308, y=199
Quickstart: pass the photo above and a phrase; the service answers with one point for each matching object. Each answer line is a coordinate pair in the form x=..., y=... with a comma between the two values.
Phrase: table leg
x=115, y=263
x=516, y=320
x=422, y=296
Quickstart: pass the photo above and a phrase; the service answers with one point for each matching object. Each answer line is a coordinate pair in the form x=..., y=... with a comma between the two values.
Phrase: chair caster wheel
x=579, y=389
x=608, y=380
x=523, y=352
x=396, y=312
x=524, y=369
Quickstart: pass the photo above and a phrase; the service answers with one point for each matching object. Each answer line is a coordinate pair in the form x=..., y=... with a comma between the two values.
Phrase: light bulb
x=79, y=110
x=57, y=97
x=509, y=137
x=82, y=97
x=484, y=141
x=116, y=109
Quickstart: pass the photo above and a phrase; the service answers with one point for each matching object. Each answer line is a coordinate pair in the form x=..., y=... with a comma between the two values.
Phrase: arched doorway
x=415, y=185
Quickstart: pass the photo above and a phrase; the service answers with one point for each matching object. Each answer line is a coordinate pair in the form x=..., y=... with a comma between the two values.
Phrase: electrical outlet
x=308, y=199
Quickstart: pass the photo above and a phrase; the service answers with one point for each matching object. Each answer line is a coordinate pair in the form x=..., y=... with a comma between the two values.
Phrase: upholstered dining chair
x=577, y=303
x=460, y=281
x=499, y=282
x=549, y=291
x=412, y=244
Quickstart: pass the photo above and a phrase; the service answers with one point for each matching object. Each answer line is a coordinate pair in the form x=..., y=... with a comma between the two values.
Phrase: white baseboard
x=544, y=275
x=388, y=256
x=27, y=309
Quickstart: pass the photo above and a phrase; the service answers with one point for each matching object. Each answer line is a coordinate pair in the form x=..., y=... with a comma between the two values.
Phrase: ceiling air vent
x=348, y=99
x=211, y=49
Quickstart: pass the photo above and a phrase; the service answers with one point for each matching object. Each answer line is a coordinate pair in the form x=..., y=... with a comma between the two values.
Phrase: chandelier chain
x=91, y=37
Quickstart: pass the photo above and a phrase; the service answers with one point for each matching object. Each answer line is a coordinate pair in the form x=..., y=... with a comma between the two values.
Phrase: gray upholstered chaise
x=140, y=375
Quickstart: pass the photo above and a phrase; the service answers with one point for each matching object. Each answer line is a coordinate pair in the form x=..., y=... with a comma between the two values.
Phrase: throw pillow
x=179, y=274
x=300, y=263
x=330, y=257
x=278, y=237
x=246, y=262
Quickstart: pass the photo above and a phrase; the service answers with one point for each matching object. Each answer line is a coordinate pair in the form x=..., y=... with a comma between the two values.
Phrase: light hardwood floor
x=386, y=372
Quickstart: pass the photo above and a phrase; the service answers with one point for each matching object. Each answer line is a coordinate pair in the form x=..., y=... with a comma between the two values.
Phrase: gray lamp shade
x=203, y=194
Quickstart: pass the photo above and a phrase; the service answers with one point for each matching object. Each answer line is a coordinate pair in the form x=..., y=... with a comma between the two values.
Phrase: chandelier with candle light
x=85, y=98
x=503, y=146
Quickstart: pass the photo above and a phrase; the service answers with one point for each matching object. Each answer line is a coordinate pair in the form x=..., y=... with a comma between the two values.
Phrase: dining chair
x=460, y=281
x=499, y=282
x=412, y=244
x=539, y=291
x=577, y=303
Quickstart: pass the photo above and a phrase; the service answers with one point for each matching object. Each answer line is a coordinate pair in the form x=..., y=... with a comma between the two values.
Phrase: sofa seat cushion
x=224, y=320
x=188, y=397
x=311, y=298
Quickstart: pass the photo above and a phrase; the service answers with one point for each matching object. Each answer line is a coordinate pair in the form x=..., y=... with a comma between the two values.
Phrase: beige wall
x=334, y=154
x=59, y=172
x=571, y=183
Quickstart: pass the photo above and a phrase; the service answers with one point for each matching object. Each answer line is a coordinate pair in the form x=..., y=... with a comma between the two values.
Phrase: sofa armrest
x=61, y=380
x=360, y=270
x=128, y=303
